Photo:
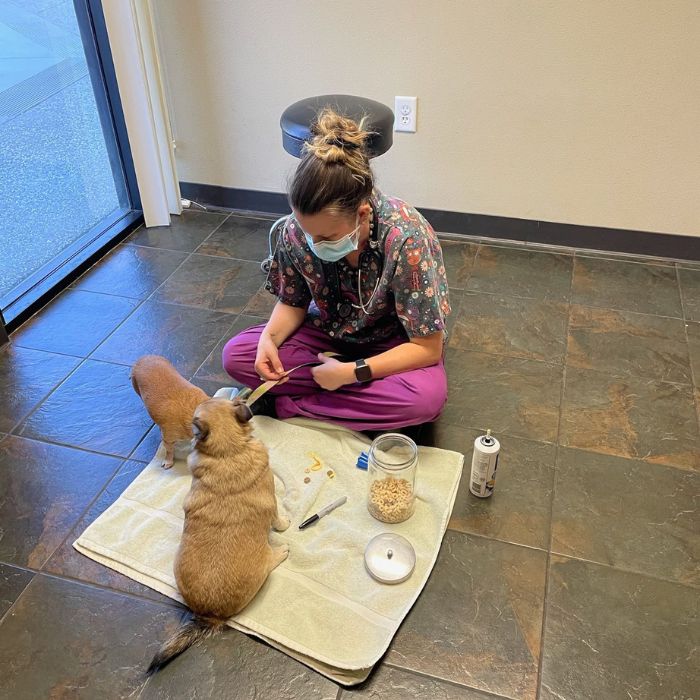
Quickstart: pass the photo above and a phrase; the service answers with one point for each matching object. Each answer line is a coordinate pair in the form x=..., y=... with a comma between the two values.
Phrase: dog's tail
x=192, y=632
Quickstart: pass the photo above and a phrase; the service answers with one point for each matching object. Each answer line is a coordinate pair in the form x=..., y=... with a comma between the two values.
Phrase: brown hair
x=334, y=171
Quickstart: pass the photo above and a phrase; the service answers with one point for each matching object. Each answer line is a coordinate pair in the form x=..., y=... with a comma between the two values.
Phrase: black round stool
x=296, y=122
x=297, y=119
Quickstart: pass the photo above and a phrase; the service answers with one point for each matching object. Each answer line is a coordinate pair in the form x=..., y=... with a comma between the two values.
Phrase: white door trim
x=134, y=49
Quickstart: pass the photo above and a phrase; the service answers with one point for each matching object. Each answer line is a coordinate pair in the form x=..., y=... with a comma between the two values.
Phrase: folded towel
x=320, y=606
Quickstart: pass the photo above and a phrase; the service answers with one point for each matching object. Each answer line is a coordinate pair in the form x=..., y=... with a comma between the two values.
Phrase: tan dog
x=169, y=399
x=224, y=556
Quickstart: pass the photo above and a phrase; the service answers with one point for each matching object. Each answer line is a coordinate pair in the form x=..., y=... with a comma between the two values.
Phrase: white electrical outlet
x=405, y=113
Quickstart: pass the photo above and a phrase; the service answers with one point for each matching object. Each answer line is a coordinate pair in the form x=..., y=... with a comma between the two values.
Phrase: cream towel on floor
x=320, y=606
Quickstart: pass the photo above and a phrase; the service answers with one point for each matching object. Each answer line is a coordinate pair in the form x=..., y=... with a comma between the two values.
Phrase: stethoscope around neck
x=344, y=308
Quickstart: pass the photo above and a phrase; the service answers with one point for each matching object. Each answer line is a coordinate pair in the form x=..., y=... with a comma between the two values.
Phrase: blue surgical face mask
x=332, y=251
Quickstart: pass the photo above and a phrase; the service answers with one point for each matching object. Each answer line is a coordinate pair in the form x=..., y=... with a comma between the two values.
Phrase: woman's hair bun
x=338, y=139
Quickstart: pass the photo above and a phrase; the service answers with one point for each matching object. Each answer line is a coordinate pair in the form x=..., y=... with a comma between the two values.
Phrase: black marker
x=324, y=511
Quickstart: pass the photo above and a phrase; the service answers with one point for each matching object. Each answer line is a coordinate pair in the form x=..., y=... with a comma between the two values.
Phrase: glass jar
x=392, y=465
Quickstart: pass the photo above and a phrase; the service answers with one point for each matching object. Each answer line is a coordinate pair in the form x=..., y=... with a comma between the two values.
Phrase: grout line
x=21, y=593
x=543, y=630
x=498, y=539
x=560, y=364
x=226, y=217
x=143, y=302
x=339, y=694
x=644, y=574
x=82, y=514
x=693, y=378
x=627, y=311
x=225, y=257
x=204, y=362
x=41, y=401
x=45, y=441
x=441, y=679
x=625, y=257
x=168, y=603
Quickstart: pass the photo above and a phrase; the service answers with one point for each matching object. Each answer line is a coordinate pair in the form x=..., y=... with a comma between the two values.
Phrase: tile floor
x=578, y=579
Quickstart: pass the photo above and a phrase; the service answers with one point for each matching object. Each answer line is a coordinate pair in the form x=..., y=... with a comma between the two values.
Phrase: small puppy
x=224, y=556
x=169, y=399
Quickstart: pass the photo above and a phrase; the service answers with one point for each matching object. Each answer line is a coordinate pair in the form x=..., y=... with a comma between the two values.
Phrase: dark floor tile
x=184, y=335
x=131, y=271
x=626, y=343
x=612, y=634
x=389, y=683
x=68, y=562
x=75, y=323
x=690, y=290
x=212, y=369
x=12, y=582
x=625, y=257
x=479, y=619
x=528, y=328
x=261, y=304
x=210, y=388
x=45, y=489
x=522, y=272
x=96, y=408
x=512, y=396
x=241, y=237
x=628, y=286
x=628, y=514
x=520, y=507
x=26, y=377
x=630, y=417
x=222, y=284
x=69, y=640
x=459, y=262
x=693, y=330
x=185, y=233
x=230, y=664
x=147, y=448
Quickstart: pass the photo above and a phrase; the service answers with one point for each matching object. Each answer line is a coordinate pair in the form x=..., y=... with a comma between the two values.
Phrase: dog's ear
x=242, y=412
x=200, y=429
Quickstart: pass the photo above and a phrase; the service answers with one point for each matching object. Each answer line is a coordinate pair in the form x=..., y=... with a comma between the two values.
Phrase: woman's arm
x=284, y=320
x=414, y=354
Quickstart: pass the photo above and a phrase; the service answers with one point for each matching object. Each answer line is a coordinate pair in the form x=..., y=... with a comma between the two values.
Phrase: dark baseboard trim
x=235, y=198
x=664, y=245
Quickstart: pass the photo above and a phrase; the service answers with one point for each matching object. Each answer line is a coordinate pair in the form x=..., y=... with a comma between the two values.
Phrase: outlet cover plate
x=405, y=113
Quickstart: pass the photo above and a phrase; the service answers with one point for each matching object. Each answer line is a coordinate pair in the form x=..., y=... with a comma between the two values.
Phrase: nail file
x=266, y=386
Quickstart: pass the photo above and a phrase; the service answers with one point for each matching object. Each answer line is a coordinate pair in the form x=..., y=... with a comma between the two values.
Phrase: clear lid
x=390, y=558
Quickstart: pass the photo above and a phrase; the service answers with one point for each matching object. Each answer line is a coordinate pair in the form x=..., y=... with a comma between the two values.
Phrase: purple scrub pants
x=404, y=399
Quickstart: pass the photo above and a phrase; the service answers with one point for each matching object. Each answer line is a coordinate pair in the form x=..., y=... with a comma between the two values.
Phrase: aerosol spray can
x=484, y=465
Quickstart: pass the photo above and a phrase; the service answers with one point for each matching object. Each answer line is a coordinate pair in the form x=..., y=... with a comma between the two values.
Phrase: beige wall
x=583, y=111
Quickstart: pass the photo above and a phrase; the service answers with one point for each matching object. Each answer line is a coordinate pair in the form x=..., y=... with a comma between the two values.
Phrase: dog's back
x=224, y=556
x=168, y=397
x=222, y=561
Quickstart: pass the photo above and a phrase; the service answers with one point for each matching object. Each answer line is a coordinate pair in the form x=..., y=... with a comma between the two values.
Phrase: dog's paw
x=167, y=464
x=284, y=551
x=283, y=522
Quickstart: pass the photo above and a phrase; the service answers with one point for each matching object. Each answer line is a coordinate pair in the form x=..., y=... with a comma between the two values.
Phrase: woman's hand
x=267, y=360
x=332, y=374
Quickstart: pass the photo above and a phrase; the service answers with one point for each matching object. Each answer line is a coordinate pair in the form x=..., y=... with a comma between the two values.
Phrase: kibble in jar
x=391, y=500
x=392, y=464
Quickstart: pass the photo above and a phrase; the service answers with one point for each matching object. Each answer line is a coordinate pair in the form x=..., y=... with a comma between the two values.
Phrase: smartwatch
x=363, y=373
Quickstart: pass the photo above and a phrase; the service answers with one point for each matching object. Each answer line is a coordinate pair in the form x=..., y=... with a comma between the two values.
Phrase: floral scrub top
x=411, y=297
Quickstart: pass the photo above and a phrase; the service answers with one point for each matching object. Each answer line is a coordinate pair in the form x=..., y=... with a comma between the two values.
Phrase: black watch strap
x=363, y=373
